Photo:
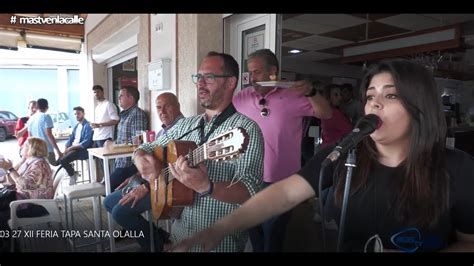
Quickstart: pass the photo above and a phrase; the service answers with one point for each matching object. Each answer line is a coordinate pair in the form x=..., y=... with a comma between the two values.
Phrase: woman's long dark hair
x=421, y=194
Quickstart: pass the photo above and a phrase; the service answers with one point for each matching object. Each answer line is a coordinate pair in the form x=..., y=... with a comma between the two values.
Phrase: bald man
x=168, y=109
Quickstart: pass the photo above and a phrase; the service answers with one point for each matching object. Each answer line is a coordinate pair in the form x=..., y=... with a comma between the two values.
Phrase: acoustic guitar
x=168, y=195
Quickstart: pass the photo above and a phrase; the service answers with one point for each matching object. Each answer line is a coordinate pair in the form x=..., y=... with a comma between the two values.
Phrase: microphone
x=364, y=127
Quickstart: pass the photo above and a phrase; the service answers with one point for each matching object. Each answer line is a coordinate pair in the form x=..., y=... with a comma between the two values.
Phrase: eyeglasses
x=265, y=111
x=208, y=78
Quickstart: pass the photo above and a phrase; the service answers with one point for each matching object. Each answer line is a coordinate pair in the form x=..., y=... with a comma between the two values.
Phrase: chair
x=51, y=206
x=76, y=168
x=70, y=193
x=78, y=192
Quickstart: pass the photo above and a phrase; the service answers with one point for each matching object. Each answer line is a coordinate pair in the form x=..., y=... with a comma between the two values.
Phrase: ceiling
x=32, y=33
x=322, y=37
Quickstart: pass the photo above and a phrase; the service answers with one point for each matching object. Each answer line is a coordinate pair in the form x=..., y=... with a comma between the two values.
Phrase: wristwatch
x=209, y=192
x=10, y=170
x=312, y=92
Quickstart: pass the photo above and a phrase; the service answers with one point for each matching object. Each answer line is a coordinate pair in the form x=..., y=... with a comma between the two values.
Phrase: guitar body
x=168, y=198
x=168, y=195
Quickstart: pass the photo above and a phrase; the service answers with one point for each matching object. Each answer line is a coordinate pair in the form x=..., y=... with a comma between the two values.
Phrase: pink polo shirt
x=334, y=128
x=282, y=129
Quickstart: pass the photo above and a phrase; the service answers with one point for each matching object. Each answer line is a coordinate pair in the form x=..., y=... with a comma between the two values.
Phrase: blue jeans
x=120, y=174
x=132, y=220
x=100, y=143
x=269, y=236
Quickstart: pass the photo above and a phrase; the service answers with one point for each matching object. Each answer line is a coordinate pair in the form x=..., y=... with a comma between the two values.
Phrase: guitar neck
x=227, y=146
x=197, y=156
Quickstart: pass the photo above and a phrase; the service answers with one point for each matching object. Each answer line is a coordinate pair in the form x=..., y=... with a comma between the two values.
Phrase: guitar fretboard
x=197, y=155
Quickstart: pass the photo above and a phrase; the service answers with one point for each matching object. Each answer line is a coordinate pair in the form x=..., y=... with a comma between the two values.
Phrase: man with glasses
x=221, y=187
x=279, y=112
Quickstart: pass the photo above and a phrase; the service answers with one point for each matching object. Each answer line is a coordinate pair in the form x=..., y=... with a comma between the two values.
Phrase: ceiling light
x=294, y=51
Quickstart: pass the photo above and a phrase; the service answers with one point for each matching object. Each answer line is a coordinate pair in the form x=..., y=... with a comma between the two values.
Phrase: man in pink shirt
x=279, y=112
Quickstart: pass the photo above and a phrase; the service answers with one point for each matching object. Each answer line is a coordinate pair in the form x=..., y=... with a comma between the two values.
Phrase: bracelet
x=312, y=92
x=209, y=192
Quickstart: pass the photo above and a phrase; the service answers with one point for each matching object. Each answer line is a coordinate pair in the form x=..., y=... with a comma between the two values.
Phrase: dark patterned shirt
x=131, y=122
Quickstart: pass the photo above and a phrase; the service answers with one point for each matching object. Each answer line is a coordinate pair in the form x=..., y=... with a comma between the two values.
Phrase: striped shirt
x=248, y=170
x=165, y=129
x=132, y=120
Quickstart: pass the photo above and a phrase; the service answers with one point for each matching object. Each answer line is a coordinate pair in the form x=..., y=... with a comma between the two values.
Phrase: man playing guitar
x=220, y=187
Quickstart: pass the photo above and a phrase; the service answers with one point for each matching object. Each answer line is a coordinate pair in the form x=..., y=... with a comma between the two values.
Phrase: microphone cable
x=321, y=206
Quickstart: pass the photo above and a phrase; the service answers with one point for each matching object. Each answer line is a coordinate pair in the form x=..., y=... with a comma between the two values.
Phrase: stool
x=78, y=192
x=76, y=168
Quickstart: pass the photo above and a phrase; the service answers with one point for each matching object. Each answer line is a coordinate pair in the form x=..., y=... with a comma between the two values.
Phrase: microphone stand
x=351, y=164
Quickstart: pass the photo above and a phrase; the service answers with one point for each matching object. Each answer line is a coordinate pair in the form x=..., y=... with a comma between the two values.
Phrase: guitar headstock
x=228, y=145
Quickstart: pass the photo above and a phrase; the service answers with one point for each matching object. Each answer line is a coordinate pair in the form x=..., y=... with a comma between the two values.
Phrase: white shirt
x=104, y=112
x=77, y=137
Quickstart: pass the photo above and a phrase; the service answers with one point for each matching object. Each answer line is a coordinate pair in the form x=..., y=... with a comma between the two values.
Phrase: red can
x=151, y=135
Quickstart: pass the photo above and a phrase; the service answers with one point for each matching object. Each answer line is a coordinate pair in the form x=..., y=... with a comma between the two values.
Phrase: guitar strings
x=198, y=156
x=197, y=153
x=237, y=174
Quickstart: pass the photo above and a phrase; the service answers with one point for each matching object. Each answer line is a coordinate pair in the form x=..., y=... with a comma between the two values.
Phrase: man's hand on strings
x=196, y=179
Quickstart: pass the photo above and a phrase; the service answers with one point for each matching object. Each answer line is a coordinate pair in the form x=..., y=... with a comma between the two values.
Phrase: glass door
x=245, y=34
x=120, y=75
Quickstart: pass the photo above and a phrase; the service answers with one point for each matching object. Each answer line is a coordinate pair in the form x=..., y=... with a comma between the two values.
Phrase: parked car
x=7, y=124
x=61, y=121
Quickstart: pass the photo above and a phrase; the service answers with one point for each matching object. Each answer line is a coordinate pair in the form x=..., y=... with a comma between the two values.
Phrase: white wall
x=162, y=45
x=92, y=20
x=85, y=86
x=87, y=67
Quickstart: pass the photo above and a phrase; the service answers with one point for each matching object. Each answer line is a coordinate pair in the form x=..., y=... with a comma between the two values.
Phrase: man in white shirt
x=106, y=117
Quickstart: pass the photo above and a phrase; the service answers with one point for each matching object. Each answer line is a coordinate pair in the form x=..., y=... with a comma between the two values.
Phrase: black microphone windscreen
x=369, y=123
